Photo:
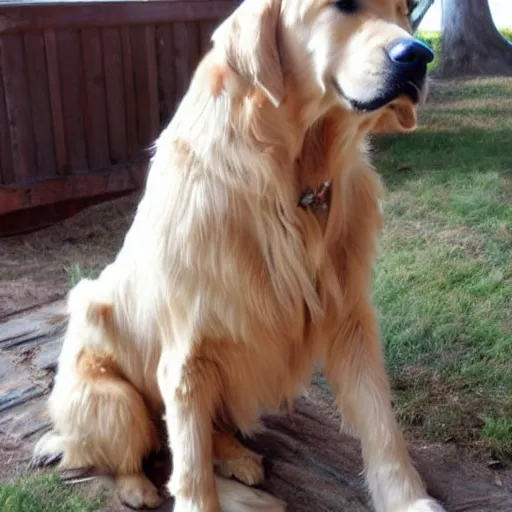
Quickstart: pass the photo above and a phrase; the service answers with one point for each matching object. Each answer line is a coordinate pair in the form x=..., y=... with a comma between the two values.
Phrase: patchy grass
x=45, y=493
x=77, y=272
x=444, y=279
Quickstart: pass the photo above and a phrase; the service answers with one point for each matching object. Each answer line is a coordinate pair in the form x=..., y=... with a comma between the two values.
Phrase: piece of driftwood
x=309, y=463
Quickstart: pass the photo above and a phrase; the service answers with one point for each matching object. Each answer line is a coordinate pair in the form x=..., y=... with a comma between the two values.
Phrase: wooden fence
x=84, y=90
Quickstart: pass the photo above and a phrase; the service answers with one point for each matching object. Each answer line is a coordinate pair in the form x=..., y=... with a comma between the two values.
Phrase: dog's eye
x=347, y=6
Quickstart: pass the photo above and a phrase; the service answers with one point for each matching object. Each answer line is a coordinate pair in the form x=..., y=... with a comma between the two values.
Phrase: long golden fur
x=226, y=292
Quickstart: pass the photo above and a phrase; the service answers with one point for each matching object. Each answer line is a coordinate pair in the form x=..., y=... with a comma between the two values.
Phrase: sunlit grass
x=45, y=493
x=444, y=279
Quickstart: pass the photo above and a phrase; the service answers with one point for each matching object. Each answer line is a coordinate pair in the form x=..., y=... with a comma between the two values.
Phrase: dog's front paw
x=422, y=505
x=137, y=491
x=248, y=469
x=184, y=505
x=188, y=505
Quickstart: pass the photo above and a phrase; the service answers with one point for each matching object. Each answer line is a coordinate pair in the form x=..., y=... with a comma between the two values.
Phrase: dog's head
x=355, y=53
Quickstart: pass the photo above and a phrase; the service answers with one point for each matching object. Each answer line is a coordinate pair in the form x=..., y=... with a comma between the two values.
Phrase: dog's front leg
x=189, y=388
x=355, y=369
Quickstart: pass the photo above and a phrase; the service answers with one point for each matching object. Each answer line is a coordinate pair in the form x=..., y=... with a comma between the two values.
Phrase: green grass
x=45, y=493
x=433, y=39
x=444, y=279
x=77, y=272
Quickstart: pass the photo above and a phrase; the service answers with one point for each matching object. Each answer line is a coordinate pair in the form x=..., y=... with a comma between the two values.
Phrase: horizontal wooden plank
x=124, y=179
x=25, y=221
x=27, y=17
x=29, y=420
x=41, y=321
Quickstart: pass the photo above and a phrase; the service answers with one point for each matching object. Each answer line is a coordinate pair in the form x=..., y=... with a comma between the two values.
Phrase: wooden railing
x=85, y=88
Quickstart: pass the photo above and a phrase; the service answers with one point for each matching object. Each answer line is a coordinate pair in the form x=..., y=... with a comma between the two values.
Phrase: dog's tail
x=236, y=497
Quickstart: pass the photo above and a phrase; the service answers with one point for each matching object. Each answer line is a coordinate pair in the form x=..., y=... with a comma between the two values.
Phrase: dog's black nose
x=409, y=59
x=410, y=54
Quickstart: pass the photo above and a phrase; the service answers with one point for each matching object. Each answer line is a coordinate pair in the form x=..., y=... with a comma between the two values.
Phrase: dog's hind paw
x=137, y=491
x=422, y=505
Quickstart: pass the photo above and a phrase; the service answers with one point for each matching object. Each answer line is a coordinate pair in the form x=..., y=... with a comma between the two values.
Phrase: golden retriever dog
x=249, y=260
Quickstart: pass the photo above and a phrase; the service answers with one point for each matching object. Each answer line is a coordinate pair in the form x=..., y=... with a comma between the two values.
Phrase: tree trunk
x=471, y=43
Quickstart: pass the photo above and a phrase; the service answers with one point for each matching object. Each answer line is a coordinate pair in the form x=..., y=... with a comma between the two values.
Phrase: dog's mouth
x=407, y=89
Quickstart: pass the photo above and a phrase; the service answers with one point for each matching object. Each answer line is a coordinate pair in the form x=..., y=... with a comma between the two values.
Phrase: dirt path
x=35, y=267
x=310, y=464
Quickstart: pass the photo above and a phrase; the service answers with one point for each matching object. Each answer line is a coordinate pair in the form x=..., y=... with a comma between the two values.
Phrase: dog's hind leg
x=355, y=369
x=101, y=421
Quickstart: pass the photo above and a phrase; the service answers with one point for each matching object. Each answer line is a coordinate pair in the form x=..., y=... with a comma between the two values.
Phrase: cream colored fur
x=225, y=292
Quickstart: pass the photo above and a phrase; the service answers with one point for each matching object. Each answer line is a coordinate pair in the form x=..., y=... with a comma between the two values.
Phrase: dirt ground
x=34, y=267
x=34, y=271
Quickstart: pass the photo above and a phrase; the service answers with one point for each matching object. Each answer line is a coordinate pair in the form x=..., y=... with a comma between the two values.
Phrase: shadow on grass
x=442, y=92
x=484, y=113
x=401, y=157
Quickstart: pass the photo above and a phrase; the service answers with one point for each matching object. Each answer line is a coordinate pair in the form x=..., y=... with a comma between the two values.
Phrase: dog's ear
x=248, y=39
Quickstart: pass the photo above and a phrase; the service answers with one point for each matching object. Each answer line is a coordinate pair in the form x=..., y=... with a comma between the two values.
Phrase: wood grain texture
x=126, y=178
x=57, y=113
x=146, y=83
x=73, y=98
x=85, y=86
x=129, y=93
x=95, y=111
x=166, y=71
x=6, y=164
x=40, y=104
x=23, y=18
x=17, y=99
x=182, y=59
x=115, y=94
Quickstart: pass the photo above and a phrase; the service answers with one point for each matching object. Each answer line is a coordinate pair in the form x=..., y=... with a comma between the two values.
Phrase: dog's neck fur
x=325, y=137
x=327, y=133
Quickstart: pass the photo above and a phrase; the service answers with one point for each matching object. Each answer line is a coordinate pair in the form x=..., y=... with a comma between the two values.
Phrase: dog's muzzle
x=406, y=74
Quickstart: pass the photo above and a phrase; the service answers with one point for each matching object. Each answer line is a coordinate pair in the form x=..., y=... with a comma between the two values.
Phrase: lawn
x=443, y=284
x=45, y=493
